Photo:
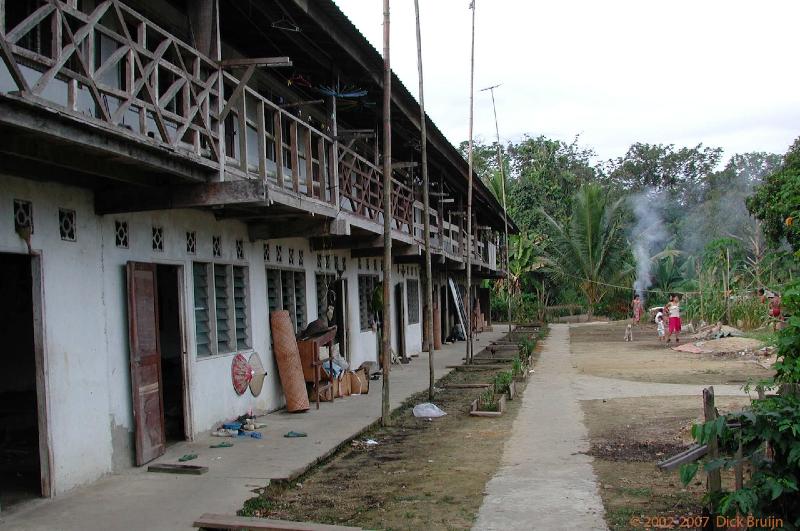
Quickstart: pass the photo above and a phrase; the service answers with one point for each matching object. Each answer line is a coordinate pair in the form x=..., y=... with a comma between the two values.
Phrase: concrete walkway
x=545, y=482
x=138, y=499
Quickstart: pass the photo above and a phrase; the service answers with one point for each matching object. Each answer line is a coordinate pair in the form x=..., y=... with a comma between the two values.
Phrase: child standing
x=638, y=309
x=674, y=312
x=660, y=323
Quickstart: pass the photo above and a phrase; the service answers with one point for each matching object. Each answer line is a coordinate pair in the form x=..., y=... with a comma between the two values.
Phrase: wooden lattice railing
x=113, y=68
x=112, y=65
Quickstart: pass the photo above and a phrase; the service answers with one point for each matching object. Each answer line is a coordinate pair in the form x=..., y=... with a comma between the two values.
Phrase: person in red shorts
x=673, y=310
x=775, y=311
x=638, y=309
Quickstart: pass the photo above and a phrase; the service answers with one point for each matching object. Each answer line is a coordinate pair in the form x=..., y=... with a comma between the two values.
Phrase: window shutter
x=201, y=309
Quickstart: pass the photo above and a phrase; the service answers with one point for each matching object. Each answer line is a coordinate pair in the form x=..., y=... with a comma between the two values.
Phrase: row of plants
x=503, y=383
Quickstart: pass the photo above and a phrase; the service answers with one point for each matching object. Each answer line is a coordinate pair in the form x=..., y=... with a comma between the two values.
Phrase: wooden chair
x=312, y=364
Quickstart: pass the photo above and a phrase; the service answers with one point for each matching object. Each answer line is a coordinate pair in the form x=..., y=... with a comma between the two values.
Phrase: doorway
x=158, y=358
x=23, y=444
x=400, y=320
x=340, y=317
x=172, y=370
x=445, y=328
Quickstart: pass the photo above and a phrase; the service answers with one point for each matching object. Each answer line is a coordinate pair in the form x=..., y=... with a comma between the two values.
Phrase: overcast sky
x=720, y=72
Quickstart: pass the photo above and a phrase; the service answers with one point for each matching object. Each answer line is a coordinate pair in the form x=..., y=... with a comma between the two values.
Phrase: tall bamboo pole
x=425, y=207
x=503, y=193
x=468, y=308
x=386, y=345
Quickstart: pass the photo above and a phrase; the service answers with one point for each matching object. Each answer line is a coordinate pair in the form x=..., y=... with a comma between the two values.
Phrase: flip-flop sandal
x=223, y=444
x=293, y=434
x=187, y=457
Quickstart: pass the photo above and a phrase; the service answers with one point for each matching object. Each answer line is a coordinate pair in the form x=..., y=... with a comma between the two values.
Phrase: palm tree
x=589, y=251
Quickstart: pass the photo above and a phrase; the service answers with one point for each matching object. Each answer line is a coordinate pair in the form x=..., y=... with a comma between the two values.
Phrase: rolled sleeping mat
x=287, y=356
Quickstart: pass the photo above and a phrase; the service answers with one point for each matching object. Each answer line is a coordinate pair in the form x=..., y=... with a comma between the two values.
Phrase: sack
x=359, y=383
x=343, y=385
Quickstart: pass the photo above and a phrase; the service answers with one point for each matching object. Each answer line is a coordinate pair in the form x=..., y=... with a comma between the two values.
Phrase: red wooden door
x=148, y=408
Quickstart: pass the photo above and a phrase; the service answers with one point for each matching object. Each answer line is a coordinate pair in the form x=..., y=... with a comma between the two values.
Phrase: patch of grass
x=765, y=335
x=620, y=518
x=257, y=506
x=639, y=492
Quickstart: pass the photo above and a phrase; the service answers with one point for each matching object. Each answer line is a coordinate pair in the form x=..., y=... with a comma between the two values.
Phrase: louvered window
x=240, y=307
x=221, y=308
x=412, y=288
x=286, y=290
x=202, y=311
x=324, y=287
x=366, y=286
x=221, y=297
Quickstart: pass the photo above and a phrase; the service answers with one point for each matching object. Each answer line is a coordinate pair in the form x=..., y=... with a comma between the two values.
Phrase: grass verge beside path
x=422, y=474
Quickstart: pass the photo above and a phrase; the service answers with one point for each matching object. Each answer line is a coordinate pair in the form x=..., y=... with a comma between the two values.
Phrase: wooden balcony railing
x=112, y=68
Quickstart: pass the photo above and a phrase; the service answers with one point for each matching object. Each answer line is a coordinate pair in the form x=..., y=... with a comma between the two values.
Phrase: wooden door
x=145, y=350
x=400, y=312
x=342, y=319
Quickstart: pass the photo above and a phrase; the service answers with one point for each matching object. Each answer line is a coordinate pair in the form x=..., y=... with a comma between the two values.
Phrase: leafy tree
x=545, y=175
x=589, y=251
x=681, y=172
x=776, y=202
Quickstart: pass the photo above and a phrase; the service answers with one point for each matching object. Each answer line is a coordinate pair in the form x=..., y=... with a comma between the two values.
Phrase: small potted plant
x=488, y=404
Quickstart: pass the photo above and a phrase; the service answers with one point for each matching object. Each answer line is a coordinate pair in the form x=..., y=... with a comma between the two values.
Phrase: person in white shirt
x=660, y=324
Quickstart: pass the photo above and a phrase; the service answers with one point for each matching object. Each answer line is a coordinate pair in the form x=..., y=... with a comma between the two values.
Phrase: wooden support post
x=295, y=158
x=261, y=126
x=470, y=157
x=714, y=479
x=386, y=345
x=309, y=163
x=278, y=134
x=426, y=216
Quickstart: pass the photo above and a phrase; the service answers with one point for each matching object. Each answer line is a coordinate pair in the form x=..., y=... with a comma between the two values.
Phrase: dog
x=629, y=332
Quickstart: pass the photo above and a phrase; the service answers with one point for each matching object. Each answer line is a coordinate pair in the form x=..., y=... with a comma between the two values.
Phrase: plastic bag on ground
x=428, y=410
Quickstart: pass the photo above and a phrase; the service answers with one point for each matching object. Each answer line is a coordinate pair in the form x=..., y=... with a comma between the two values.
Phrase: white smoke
x=648, y=235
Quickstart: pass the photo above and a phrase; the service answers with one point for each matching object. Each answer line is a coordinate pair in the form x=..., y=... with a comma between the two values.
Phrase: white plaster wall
x=86, y=322
x=74, y=326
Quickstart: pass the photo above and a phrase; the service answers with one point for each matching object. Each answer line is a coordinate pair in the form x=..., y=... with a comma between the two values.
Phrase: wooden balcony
x=118, y=75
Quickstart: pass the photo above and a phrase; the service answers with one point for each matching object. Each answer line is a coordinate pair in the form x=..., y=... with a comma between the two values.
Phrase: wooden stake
x=710, y=412
x=386, y=345
x=468, y=311
x=425, y=207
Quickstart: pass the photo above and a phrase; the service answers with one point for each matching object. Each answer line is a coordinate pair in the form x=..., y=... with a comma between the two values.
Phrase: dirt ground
x=600, y=350
x=629, y=436
x=422, y=474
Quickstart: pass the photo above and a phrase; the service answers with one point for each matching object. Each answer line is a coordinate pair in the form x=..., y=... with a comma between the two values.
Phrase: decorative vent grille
x=66, y=224
x=216, y=245
x=266, y=252
x=23, y=215
x=291, y=256
x=300, y=258
x=121, y=234
x=158, y=239
x=191, y=242
x=239, y=250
